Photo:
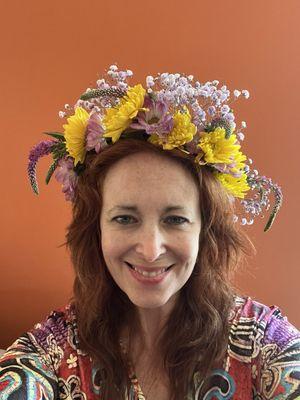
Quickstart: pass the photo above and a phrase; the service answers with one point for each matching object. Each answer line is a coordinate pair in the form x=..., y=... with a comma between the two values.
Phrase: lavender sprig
x=41, y=149
x=264, y=186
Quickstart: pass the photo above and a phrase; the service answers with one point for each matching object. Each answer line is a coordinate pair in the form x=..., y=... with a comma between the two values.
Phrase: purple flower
x=94, y=139
x=66, y=175
x=156, y=120
x=41, y=149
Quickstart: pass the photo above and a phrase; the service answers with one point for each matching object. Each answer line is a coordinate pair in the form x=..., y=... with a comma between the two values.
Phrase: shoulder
x=254, y=325
x=52, y=330
x=37, y=359
x=263, y=338
x=55, y=328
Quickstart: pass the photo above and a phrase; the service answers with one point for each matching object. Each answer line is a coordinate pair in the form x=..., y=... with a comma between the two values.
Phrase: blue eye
x=183, y=220
x=121, y=218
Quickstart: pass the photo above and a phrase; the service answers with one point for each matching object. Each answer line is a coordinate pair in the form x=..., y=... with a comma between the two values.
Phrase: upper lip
x=148, y=269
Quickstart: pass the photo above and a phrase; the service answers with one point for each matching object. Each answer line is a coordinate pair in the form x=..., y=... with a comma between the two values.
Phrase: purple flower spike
x=41, y=149
x=66, y=175
x=94, y=139
x=156, y=120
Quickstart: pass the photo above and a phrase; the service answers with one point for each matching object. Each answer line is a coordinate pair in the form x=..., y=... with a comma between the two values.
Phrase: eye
x=182, y=219
x=120, y=219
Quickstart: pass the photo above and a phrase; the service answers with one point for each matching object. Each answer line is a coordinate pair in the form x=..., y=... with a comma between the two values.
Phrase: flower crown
x=172, y=112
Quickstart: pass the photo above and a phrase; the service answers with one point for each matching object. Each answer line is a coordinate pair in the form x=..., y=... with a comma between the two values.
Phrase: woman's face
x=137, y=228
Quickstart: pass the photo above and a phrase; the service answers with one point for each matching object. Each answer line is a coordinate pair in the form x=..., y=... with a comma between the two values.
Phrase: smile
x=149, y=274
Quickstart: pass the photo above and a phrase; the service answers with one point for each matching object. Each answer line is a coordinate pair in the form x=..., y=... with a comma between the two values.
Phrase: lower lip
x=148, y=280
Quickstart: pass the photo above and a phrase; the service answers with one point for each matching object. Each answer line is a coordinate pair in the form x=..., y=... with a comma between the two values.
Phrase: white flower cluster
x=206, y=101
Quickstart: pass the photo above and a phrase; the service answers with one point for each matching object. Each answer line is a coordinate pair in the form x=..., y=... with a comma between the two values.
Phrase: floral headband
x=172, y=112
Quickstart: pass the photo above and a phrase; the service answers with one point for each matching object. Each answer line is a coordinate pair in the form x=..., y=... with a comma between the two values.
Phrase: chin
x=150, y=303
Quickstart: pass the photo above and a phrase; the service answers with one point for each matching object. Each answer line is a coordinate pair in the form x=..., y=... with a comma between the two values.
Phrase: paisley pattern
x=262, y=361
x=222, y=386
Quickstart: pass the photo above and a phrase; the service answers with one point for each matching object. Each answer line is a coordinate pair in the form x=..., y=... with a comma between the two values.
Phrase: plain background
x=51, y=51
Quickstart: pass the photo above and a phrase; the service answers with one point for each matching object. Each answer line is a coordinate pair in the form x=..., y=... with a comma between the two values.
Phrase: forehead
x=149, y=177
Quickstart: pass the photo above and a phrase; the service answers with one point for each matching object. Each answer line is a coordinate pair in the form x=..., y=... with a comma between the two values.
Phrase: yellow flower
x=217, y=148
x=118, y=118
x=238, y=160
x=74, y=132
x=235, y=186
x=182, y=132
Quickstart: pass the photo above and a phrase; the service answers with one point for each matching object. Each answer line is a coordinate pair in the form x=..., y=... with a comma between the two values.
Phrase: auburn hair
x=195, y=337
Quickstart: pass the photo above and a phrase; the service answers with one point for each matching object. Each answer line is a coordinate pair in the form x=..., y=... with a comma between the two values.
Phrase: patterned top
x=262, y=360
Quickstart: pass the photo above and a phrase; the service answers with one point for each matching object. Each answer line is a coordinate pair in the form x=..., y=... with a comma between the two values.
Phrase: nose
x=150, y=243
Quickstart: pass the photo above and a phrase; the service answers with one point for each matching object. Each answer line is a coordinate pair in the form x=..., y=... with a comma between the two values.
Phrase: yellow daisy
x=74, y=132
x=235, y=186
x=238, y=160
x=118, y=118
x=182, y=132
x=218, y=149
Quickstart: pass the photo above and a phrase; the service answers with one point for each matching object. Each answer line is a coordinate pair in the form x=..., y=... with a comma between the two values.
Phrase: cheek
x=112, y=246
x=189, y=247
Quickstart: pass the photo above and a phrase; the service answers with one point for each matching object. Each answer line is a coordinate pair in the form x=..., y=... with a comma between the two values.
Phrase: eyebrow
x=135, y=208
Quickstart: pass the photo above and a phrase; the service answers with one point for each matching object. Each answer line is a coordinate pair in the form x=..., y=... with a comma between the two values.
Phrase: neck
x=144, y=338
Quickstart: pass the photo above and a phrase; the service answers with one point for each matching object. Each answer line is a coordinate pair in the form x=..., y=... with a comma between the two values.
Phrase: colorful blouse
x=262, y=360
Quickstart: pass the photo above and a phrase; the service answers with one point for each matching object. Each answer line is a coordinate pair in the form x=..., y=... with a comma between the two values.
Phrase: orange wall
x=52, y=51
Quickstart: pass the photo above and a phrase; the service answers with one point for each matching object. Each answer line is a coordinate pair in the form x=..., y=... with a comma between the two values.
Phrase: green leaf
x=59, y=150
x=56, y=135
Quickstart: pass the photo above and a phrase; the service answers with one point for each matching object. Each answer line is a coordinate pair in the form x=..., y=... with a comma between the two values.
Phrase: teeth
x=149, y=274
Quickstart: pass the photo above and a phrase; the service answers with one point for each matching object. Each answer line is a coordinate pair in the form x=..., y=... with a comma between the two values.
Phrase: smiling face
x=147, y=234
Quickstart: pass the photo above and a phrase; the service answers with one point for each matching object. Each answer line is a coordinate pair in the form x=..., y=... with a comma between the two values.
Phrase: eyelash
x=129, y=216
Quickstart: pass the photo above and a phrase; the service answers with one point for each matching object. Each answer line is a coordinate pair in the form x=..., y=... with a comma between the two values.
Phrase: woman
x=154, y=241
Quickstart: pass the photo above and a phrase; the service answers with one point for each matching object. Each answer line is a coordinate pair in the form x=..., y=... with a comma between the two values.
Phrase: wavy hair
x=195, y=336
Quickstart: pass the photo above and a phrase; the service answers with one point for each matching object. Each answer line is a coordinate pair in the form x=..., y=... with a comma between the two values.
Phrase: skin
x=150, y=237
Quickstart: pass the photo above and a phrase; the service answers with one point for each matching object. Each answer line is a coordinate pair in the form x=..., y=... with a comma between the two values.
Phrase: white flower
x=149, y=81
x=164, y=75
x=225, y=108
x=246, y=94
x=240, y=136
x=230, y=117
